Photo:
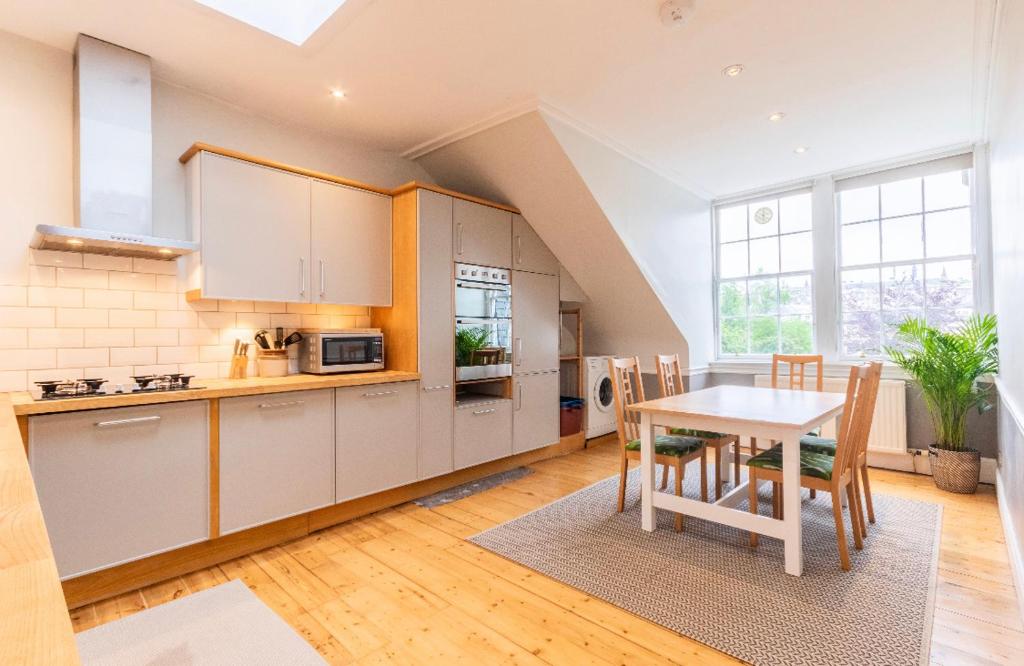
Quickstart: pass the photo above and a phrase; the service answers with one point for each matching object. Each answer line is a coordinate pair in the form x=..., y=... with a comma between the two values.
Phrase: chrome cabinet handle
x=302, y=276
x=484, y=411
x=459, y=235
x=323, y=279
x=441, y=387
x=519, y=249
x=121, y=422
x=290, y=403
x=519, y=352
x=379, y=394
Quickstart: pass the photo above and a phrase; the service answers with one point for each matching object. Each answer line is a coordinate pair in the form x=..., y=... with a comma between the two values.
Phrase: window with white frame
x=906, y=249
x=764, y=276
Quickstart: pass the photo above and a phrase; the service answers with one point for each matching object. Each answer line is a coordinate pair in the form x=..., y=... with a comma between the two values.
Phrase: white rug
x=227, y=624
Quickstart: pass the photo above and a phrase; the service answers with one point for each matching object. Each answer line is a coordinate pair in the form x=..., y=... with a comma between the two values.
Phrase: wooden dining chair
x=834, y=474
x=669, y=450
x=670, y=379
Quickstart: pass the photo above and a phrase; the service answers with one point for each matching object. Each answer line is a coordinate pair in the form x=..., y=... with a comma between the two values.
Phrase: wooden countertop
x=24, y=404
x=34, y=624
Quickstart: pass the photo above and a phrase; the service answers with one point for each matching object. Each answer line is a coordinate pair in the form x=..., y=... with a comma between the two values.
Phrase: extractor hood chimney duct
x=113, y=159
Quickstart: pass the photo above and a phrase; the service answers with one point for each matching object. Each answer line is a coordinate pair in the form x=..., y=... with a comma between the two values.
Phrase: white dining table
x=768, y=414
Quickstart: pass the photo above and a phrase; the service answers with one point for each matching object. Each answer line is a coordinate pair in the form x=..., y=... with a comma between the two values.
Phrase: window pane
x=797, y=335
x=947, y=190
x=891, y=321
x=858, y=205
x=764, y=219
x=734, y=336
x=901, y=198
x=948, y=233
x=732, y=223
x=797, y=254
x=862, y=334
x=732, y=299
x=860, y=290
x=795, y=295
x=901, y=239
x=764, y=335
x=795, y=213
x=764, y=255
x=733, y=260
x=860, y=244
x=764, y=296
x=903, y=287
x=947, y=320
x=949, y=284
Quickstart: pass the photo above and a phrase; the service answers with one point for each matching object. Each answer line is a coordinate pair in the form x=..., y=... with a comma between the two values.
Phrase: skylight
x=294, y=21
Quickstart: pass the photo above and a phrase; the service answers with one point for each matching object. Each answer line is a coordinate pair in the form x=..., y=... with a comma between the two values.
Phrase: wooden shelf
x=569, y=358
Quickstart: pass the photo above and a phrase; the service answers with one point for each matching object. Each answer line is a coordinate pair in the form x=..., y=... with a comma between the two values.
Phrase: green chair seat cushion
x=815, y=444
x=670, y=445
x=813, y=464
x=691, y=432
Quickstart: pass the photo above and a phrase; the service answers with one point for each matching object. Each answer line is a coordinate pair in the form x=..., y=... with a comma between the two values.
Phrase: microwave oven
x=345, y=350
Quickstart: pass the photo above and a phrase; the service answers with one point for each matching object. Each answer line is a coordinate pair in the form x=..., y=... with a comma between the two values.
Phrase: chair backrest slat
x=670, y=374
x=797, y=364
x=858, y=413
x=628, y=389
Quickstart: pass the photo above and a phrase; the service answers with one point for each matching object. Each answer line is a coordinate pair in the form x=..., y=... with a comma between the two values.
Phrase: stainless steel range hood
x=113, y=159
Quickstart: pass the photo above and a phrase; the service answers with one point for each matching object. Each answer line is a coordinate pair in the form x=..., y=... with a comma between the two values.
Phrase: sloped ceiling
x=525, y=162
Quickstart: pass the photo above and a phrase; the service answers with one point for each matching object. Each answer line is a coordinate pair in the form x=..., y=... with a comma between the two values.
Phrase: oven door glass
x=347, y=351
x=482, y=300
x=483, y=348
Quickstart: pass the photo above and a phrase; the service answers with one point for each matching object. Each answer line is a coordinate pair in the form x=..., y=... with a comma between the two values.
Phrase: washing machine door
x=602, y=398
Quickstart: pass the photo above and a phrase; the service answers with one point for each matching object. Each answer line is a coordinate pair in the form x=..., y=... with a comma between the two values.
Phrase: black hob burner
x=170, y=382
x=81, y=388
x=70, y=388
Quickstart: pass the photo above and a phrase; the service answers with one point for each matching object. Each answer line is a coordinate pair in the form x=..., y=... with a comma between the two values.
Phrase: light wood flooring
x=403, y=586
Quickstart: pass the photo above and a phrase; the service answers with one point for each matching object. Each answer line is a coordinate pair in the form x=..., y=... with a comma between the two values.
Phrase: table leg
x=791, y=504
x=724, y=469
x=646, y=472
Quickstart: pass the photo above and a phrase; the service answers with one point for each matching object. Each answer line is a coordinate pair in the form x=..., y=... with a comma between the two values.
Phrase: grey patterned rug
x=707, y=584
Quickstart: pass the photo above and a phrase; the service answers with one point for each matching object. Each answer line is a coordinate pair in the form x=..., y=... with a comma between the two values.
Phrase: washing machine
x=597, y=385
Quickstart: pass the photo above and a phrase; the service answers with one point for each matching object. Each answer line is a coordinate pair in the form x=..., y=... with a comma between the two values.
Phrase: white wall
x=1006, y=149
x=66, y=315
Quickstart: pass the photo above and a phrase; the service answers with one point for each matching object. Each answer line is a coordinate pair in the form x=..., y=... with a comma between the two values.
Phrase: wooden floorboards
x=403, y=586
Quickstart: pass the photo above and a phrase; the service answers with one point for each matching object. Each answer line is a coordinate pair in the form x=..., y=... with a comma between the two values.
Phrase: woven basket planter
x=955, y=471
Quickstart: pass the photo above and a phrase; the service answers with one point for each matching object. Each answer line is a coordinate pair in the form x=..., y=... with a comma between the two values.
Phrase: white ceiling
x=860, y=80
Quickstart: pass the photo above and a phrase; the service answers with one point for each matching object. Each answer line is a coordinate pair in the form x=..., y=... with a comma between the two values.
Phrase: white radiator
x=889, y=427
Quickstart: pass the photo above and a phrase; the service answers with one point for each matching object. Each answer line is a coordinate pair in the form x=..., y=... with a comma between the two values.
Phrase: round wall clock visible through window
x=763, y=215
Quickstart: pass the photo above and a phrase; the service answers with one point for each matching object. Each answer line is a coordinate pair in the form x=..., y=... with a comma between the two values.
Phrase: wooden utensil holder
x=239, y=367
x=272, y=362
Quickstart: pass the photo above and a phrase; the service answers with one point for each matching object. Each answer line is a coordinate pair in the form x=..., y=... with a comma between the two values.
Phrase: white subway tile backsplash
x=216, y=319
x=156, y=266
x=27, y=359
x=268, y=307
x=26, y=317
x=342, y=321
x=154, y=300
x=176, y=319
x=161, y=369
x=132, y=281
x=41, y=338
x=118, y=374
x=106, y=262
x=82, y=277
x=254, y=320
x=13, y=380
x=109, y=337
x=167, y=283
x=198, y=336
x=52, y=258
x=316, y=321
x=42, y=276
x=79, y=358
x=156, y=337
x=108, y=298
x=13, y=338
x=286, y=320
x=62, y=297
x=53, y=374
x=236, y=306
x=132, y=318
x=352, y=310
x=200, y=370
x=82, y=317
x=177, y=354
x=229, y=335
x=132, y=356
x=15, y=296
x=215, y=353
x=301, y=308
x=197, y=306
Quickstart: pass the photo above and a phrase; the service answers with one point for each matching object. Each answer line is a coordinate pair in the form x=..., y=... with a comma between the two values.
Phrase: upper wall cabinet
x=529, y=253
x=351, y=246
x=268, y=234
x=483, y=235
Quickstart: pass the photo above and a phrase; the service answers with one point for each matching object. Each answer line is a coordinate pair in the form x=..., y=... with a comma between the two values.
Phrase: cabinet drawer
x=377, y=438
x=119, y=484
x=276, y=456
x=483, y=432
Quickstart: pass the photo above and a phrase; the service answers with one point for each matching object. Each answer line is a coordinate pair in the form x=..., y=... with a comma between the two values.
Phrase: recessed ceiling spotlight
x=337, y=93
x=800, y=150
x=733, y=70
x=777, y=116
x=676, y=13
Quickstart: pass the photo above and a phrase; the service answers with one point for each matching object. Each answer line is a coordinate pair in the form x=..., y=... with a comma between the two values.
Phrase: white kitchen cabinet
x=376, y=438
x=276, y=456
x=529, y=253
x=252, y=223
x=119, y=484
x=351, y=245
x=483, y=431
x=535, y=415
x=535, y=325
x=436, y=334
x=483, y=235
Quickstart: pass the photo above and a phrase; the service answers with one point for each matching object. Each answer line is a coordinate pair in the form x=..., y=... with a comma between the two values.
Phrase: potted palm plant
x=947, y=367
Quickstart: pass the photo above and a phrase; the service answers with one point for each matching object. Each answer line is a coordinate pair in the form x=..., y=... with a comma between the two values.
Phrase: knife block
x=239, y=367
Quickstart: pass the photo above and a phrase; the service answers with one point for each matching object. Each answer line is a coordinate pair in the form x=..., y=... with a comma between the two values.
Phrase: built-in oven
x=345, y=350
x=483, y=322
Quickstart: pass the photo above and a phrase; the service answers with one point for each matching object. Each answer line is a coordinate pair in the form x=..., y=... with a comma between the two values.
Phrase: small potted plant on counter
x=947, y=367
